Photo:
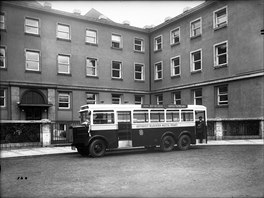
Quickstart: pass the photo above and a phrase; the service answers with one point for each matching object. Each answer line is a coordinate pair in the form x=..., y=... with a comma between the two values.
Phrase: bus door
x=201, y=126
x=124, y=133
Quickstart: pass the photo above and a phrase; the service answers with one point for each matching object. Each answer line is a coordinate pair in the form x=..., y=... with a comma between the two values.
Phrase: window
x=139, y=99
x=2, y=97
x=139, y=71
x=116, y=99
x=91, y=67
x=196, y=60
x=139, y=45
x=158, y=71
x=175, y=36
x=177, y=98
x=172, y=116
x=197, y=95
x=32, y=60
x=32, y=26
x=91, y=36
x=63, y=31
x=116, y=41
x=222, y=95
x=157, y=116
x=91, y=98
x=175, y=66
x=220, y=17
x=2, y=57
x=140, y=116
x=220, y=54
x=157, y=43
x=106, y=117
x=187, y=115
x=159, y=99
x=2, y=21
x=116, y=70
x=63, y=64
x=64, y=101
x=196, y=27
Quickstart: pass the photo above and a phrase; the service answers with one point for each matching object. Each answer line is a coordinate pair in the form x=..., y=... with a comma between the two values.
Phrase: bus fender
x=168, y=133
x=96, y=137
x=184, y=133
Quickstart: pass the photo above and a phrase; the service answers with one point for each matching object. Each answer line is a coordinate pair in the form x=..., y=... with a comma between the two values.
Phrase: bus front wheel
x=184, y=142
x=97, y=148
x=167, y=144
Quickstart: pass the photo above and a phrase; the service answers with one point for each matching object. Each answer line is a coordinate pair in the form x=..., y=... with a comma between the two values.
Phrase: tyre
x=83, y=151
x=167, y=143
x=184, y=142
x=97, y=148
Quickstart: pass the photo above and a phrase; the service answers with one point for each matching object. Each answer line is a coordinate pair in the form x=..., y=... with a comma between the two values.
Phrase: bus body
x=105, y=127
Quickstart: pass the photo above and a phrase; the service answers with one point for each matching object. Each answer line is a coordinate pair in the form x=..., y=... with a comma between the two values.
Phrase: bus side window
x=187, y=115
x=172, y=116
x=103, y=118
x=140, y=116
x=157, y=116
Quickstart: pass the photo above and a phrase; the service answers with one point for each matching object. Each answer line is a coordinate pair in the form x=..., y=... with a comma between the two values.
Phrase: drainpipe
x=150, y=65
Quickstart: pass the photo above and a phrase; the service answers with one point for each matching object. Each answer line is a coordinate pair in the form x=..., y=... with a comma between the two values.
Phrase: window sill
x=222, y=106
x=120, y=79
x=157, y=80
x=140, y=52
x=139, y=81
x=116, y=48
x=197, y=36
x=158, y=50
x=31, y=34
x=62, y=74
x=3, y=68
x=176, y=76
x=175, y=44
x=91, y=44
x=3, y=30
x=220, y=66
x=220, y=27
x=64, y=109
x=197, y=71
x=32, y=71
x=88, y=76
x=63, y=39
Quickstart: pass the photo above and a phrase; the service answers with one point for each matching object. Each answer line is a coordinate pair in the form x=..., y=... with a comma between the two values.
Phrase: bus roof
x=138, y=107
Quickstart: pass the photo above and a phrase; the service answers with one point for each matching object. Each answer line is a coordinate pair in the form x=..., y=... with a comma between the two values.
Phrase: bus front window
x=85, y=117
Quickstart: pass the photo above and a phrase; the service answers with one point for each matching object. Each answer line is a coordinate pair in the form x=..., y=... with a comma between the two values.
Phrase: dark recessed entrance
x=34, y=103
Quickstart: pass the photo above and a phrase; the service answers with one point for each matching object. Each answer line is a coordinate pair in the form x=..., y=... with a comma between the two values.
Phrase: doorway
x=33, y=113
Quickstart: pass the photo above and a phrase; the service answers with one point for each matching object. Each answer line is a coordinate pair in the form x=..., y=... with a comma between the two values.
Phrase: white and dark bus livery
x=108, y=126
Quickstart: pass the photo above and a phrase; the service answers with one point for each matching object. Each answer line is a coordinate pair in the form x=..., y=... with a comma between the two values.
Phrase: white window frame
x=158, y=101
x=174, y=66
x=172, y=35
x=91, y=101
x=216, y=25
x=4, y=97
x=37, y=28
x=192, y=62
x=141, y=99
x=114, y=69
x=141, y=45
x=156, y=44
x=31, y=60
x=192, y=30
x=95, y=67
x=92, y=37
x=195, y=97
x=64, y=94
x=117, y=97
x=219, y=101
x=115, y=41
x=64, y=64
x=176, y=100
x=142, y=72
x=216, y=55
x=2, y=20
x=3, y=57
x=156, y=71
x=65, y=32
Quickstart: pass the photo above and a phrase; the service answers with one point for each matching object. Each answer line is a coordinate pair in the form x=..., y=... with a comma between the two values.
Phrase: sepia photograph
x=131, y=99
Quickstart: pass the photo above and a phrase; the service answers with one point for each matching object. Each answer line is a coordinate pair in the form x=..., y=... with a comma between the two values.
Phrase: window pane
x=63, y=59
x=223, y=89
x=116, y=65
x=63, y=28
x=34, y=56
x=116, y=38
x=32, y=22
x=196, y=56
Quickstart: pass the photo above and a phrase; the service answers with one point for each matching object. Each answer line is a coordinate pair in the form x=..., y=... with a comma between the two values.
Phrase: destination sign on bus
x=164, y=106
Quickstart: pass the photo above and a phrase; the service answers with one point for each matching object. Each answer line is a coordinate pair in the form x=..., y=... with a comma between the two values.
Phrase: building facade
x=52, y=62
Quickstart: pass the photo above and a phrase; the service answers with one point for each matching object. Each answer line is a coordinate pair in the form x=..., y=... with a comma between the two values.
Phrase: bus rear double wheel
x=184, y=142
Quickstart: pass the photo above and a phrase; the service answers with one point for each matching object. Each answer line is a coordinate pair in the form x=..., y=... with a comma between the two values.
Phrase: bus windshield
x=85, y=117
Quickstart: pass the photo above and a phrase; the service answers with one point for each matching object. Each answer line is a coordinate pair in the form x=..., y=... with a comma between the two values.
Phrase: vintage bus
x=105, y=127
